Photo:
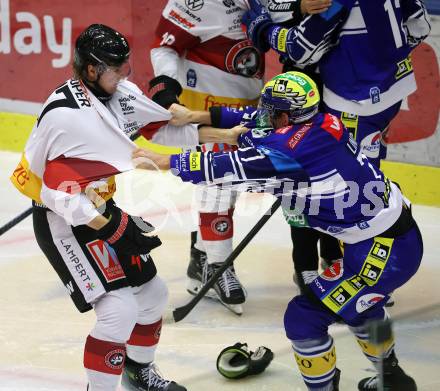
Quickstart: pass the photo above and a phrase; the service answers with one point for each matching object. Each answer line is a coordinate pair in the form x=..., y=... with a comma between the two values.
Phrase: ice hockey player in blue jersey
x=363, y=51
x=309, y=159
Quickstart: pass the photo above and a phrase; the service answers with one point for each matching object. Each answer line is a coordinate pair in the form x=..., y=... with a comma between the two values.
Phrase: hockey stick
x=15, y=221
x=180, y=312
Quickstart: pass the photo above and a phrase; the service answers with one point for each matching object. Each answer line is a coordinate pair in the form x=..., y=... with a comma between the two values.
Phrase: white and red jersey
x=201, y=44
x=78, y=144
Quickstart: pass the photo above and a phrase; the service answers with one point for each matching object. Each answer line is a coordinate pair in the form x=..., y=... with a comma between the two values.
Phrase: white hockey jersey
x=201, y=43
x=78, y=144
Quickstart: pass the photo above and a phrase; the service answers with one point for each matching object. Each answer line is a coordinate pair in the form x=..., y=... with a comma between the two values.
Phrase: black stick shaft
x=15, y=221
x=180, y=312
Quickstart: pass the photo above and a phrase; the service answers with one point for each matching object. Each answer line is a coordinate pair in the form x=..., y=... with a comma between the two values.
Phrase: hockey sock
x=316, y=360
x=216, y=231
x=143, y=342
x=372, y=351
x=104, y=361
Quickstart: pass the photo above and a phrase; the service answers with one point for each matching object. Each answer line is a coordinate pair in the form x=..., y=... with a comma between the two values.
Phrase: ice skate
x=227, y=289
x=394, y=379
x=146, y=377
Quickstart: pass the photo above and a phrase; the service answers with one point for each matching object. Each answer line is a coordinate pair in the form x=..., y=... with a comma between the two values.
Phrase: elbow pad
x=164, y=90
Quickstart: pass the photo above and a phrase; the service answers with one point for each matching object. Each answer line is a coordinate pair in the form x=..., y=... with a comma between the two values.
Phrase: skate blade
x=237, y=309
x=193, y=287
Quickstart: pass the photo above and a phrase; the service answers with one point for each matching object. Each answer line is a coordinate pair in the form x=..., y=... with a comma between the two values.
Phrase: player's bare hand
x=180, y=115
x=314, y=6
x=236, y=131
x=148, y=160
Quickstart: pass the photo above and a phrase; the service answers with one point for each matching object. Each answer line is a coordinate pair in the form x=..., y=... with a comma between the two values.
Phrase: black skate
x=227, y=289
x=394, y=378
x=145, y=377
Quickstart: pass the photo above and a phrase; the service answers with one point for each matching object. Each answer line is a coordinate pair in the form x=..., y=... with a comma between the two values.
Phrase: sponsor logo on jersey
x=180, y=20
x=71, y=256
x=191, y=78
x=366, y=301
x=194, y=161
x=357, y=283
x=187, y=12
x=115, y=359
x=370, y=145
x=283, y=130
x=281, y=5
x=282, y=39
x=363, y=225
x=106, y=259
x=296, y=138
x=333, y=272
x=194, y=5
x=126, y=107
x=261, y=132
x=245, y=60
x=380, y=251
x=375, y=95
x=333, y=229
x=370, y=273
x=404, y=67
x=319, y=285
x=229, y=3
x=339, y=297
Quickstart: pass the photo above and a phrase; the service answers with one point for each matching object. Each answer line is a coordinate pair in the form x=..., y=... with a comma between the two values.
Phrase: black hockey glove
x=237, y=361
x=125, y=234
x=164, y=90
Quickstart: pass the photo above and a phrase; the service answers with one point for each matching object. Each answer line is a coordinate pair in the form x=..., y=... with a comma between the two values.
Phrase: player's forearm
x=208, y=134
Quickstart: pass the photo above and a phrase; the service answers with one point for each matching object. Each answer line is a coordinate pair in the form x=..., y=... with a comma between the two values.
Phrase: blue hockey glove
x=257, y=20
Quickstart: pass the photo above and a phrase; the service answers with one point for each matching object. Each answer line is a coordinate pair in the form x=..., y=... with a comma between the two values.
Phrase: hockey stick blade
x=15, y=221
x=181, y=312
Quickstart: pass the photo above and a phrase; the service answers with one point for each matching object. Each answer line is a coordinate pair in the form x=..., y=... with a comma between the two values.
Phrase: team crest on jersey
x=281, y=5
x=243, y=59
x=106, y=259
x=194, y=5
x=115, y=359
x=221, y=226
x=333, y=272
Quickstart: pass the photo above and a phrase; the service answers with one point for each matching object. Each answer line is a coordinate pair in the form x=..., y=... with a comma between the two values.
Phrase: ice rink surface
x=42, y=334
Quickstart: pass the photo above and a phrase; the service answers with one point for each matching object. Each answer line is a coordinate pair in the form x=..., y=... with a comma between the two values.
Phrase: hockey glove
x=237, y=361
x=257, y=20
x=164, y=90
x=125, y=235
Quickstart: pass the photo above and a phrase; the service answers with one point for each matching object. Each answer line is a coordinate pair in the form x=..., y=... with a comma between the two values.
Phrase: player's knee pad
x=116, y=314
x=306, y=320
x=152, y=299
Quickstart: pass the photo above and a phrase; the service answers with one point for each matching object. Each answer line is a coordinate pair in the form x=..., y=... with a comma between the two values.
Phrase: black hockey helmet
x=100, y=44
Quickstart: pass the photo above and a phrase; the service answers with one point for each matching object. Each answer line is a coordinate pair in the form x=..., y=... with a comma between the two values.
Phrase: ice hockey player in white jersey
x=201, y=46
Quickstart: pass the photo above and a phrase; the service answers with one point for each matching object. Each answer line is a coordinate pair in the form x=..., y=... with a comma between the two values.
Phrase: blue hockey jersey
x=363, y=49
x=316, y=167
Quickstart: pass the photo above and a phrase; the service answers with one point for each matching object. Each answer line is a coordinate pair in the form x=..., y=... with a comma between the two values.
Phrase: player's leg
x=329, y=250
x=88, y=282
x=140, y=372
x=306, y=323
x=371, y=269
x=216, y=230
x=370, y=132
x=304, y=255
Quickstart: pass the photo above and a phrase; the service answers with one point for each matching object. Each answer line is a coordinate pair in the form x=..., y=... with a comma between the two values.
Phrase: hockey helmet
x=291, y=92
x=100, y=44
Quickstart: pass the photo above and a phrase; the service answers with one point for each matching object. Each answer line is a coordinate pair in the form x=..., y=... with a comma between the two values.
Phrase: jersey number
x=67, y=101
x=167, y=39
x=395, y=28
